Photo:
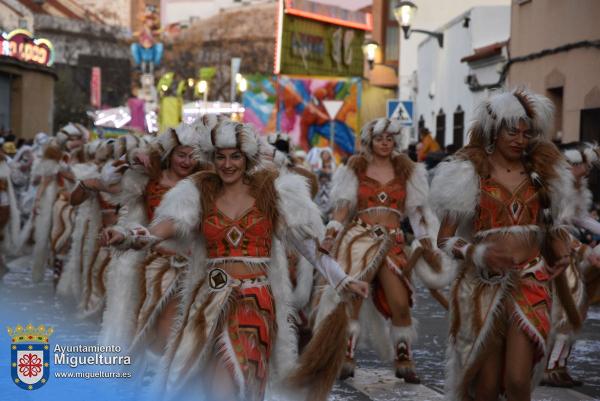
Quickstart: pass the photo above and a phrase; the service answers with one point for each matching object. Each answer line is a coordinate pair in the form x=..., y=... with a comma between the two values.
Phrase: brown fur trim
x=477, y=323
x=102, y=273
x=310, y=176
x=476, y=155
x=322, y=358
x=209, y=185
x=52, y=152
x=544, y=157
x=262, y=185
x=358, y=164
x=565, y=296
x=142, y=283
x=455, y=317
x=525, y=102
x=403, y=166
x=155, y=168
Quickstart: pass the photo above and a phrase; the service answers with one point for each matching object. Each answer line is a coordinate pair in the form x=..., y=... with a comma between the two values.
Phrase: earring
x=489, y=149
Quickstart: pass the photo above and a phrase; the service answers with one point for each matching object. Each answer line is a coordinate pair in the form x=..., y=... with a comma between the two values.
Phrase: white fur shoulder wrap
x=181, y=204
x=417, y=188
x=563, y=194
x=299, y=214
x=345, y=187
x=455, y=189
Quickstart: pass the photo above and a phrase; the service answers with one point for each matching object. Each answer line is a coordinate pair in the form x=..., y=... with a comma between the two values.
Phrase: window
x=421, y=122
x=392, y=33
x=440, y=128
x=458, y=127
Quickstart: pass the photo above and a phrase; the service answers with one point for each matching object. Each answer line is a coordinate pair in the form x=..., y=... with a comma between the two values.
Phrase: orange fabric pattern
x=153, y=195
x=498, y=207
x=371, y=193
x=247, y=236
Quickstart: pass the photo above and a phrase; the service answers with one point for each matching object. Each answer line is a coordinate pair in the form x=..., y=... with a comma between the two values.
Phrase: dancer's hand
x=594, y=260
x=359, y=288
x=327, y=243
x=111, y=236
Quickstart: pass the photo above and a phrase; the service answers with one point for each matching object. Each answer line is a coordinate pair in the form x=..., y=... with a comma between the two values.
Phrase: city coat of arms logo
x=30, y=355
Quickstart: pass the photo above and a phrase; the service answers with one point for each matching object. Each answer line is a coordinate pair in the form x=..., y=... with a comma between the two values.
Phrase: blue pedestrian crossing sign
x=401, y=109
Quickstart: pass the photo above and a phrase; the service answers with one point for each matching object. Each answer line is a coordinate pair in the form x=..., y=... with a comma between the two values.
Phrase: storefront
x=26, y=84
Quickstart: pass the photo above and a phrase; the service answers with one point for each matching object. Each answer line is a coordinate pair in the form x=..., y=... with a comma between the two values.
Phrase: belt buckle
x=217, y=279
x=378, y=231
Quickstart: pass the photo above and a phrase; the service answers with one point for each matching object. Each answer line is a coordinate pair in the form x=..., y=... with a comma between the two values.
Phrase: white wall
x=431, y=15
x=441, y=68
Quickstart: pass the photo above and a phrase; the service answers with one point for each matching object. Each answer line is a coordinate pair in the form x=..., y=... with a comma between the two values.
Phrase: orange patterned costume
x=152, y=197
x=250, y=322
x=391, y=196
x=499, y=208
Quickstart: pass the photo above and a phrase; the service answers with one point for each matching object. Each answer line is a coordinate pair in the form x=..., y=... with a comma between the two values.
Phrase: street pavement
x=22, y=301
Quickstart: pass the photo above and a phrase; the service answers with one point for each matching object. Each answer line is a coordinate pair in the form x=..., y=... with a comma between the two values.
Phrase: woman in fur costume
x=150, y=279
x=582, y=274
x=52, y=222
x=371, y=197
x=88, y=261
x=235, y=308
x=502, y=200
x=9, y=214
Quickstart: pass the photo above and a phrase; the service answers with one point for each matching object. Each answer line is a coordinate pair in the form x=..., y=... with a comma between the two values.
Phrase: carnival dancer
x=235, y=308
x=20, y=176
x=144, y=317
x=69, y=277
x=502, y=200
x=54, y=178
x=582, y=274
x=87, y=261
x=371, y=196
x=9, y=214
x=301, y=271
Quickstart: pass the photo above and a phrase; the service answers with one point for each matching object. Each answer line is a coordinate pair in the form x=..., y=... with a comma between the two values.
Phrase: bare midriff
x=236, y=268
x=388, y=219
x=523, y=247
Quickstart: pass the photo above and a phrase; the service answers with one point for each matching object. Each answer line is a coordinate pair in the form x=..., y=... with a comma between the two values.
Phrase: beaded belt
x=218, y=279
x=377, y=230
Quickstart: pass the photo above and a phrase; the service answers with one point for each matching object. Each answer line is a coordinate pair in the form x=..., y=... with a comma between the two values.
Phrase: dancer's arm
x=490, y=259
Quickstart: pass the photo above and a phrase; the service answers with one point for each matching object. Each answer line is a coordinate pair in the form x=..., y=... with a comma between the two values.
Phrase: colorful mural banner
x=294, y=105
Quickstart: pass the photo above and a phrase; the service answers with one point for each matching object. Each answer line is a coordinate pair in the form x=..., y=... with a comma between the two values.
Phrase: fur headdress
x=586, y=153
x=126, y=144
x=381, y=126
x=228, y=134
x=187, y=134
x=90, y=148
x=105, y=150
x=504, y=109
x=72, y=131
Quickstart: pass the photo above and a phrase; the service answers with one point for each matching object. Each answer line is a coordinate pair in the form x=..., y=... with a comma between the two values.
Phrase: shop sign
x=21, y=45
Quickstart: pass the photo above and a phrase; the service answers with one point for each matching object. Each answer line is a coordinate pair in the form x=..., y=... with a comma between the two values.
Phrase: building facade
x=452, y=80
x=568, y=70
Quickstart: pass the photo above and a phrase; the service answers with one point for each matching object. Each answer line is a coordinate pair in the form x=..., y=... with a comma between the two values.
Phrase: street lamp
x=202, y=87
x=243, y=85
x=405, y=12
x=369, y=49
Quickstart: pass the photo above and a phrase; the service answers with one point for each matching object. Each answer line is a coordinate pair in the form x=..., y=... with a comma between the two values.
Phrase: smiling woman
x=234, y=332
